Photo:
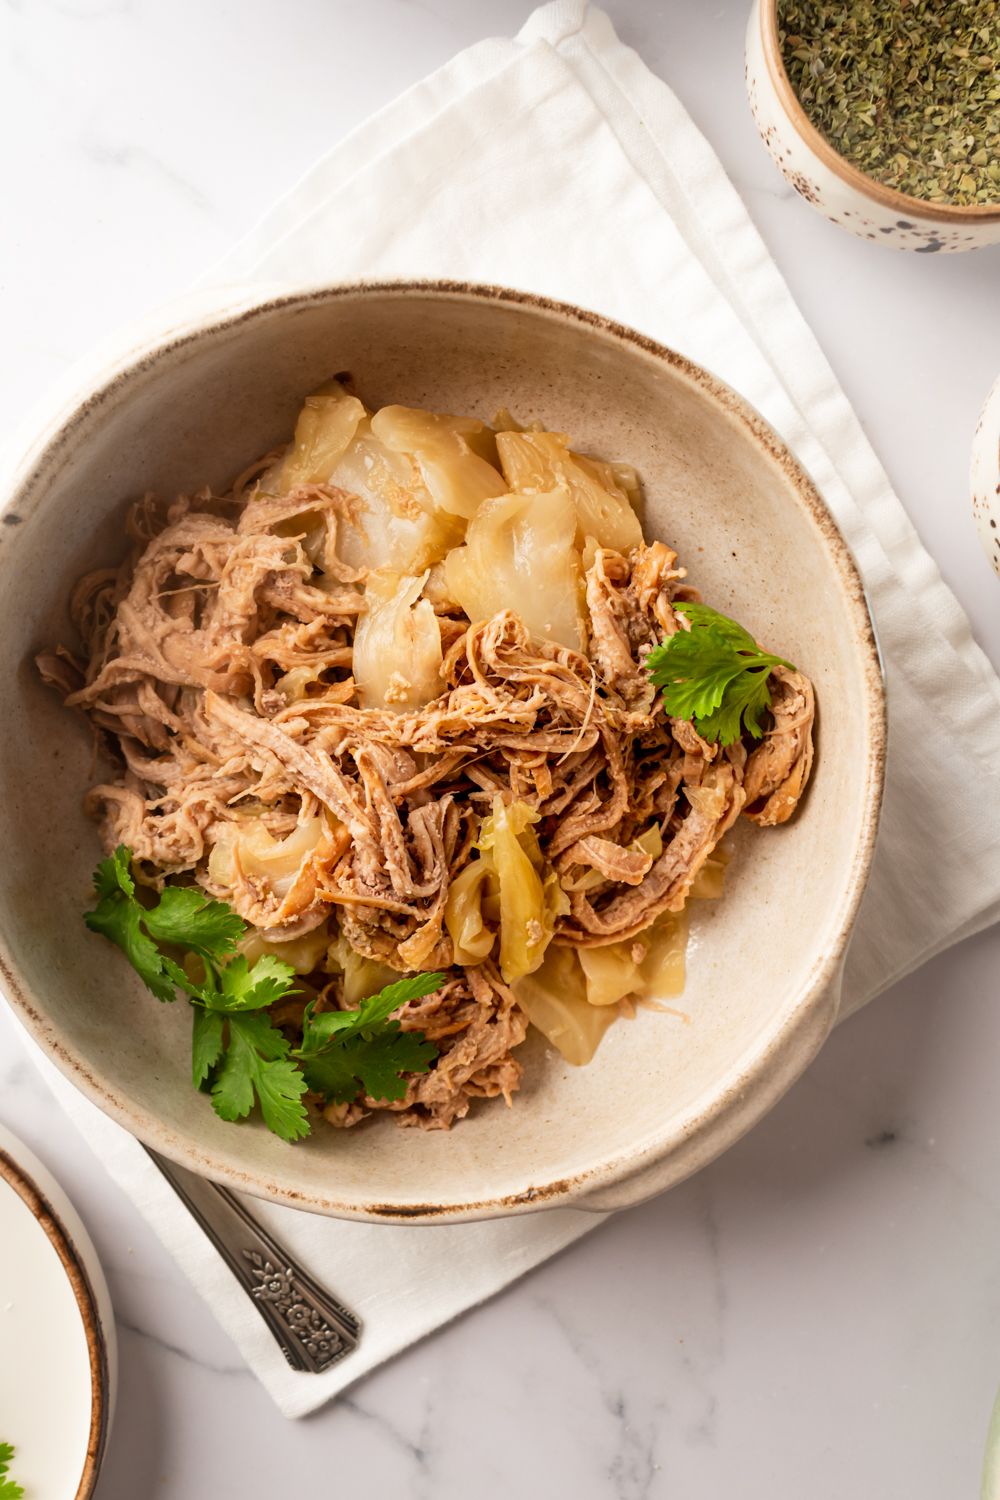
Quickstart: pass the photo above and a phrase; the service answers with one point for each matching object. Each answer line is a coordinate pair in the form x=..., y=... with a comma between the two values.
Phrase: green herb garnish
x=237, y=1053
x=345, y=1050
x=714, y=674
x=8, y=1489
x=906, y=90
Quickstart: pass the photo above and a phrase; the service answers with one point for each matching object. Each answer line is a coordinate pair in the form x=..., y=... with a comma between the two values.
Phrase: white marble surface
x=819, y=1313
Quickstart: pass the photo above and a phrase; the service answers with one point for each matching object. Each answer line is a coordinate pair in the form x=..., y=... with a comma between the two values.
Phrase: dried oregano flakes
x=908, y=91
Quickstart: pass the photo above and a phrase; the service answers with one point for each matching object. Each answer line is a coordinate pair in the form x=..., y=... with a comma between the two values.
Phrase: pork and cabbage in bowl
x=506, y=621
x=414, y=742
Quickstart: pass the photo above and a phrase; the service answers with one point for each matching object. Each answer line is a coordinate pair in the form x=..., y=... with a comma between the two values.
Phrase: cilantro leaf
x=319, y=1029
x=188, y=918
x=8, y=1489
x=280, y=1086
x=113, y=874
x=246, y=988
x=183, y=980
x=240, y=1054
x=256, y=1063
x=746, y=698
x=369, y=1064
x=207, y=1045
x=714, y=674
x=119, y=917
x=182, y=916
x=237, y=1053
x=347, y=1052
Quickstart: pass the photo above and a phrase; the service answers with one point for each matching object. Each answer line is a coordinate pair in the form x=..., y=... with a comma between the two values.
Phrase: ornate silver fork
x=312, y=1328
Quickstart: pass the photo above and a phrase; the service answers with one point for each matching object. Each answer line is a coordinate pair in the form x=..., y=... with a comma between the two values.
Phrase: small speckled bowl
x=834, y=186
x=195, y=400
x=985, y=477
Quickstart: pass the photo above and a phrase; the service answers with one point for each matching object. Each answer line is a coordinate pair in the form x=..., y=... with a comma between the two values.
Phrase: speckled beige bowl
x=816, y=170
x=196, y=401
x=984, y=477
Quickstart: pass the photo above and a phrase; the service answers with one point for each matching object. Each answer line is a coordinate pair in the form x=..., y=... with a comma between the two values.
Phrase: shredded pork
x=216, y=665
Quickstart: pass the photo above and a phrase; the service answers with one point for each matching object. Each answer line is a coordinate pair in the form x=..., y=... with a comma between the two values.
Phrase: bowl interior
x=718, y=487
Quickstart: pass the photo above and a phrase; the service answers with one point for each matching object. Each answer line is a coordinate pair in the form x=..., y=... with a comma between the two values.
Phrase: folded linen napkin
x=497, y=168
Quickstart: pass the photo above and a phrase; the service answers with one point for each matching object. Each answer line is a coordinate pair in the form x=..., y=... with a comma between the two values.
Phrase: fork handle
x=311, y=1327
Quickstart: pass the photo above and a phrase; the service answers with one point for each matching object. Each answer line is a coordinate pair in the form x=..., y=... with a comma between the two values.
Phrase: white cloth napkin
x=558, y=163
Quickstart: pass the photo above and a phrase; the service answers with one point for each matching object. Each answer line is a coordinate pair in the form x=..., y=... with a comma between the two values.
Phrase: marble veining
x=816, y=1315
x=138, y=161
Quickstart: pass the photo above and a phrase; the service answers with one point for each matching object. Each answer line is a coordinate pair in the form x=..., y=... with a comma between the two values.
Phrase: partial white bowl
x=57, y=1334
x=195, y=402
x=984, y=477
x=990, y=1484
x=835, y=186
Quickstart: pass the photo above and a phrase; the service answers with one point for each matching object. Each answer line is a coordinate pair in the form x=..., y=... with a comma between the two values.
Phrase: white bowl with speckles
x=834, y=186
x=195, y=399
x=984, y=477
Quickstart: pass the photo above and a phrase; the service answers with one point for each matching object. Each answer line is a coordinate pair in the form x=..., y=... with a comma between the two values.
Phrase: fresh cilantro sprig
x=714, y=674
x=8, y=1489
x=237, y=1053
x=183, y=916
x=344, y=1052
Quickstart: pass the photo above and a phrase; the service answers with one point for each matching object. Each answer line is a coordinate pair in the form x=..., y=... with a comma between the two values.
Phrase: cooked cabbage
x=397, y=645
x=555, y=1001
x=626, y=477
x=505, y=421
x=536, y=462
x=325, y=427
x=303, y=953
x=709, y=798
x=452, y=454
x=464, y=917
x=519, y=555
x=651, y=964
x=529, y=903
x=437, y=591
x=294, y=685
x=610, y=973
x=260, y=854
x=362, y=976
x=400, y=526
x=662, y=969
x=709, y=883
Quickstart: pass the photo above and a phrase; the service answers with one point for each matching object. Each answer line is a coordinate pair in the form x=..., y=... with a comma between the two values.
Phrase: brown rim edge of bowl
x=944, y=213
x=732, y=1101
x=76, y=1273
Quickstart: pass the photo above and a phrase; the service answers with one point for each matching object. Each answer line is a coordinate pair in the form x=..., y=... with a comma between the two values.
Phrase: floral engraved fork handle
x=312, y=1328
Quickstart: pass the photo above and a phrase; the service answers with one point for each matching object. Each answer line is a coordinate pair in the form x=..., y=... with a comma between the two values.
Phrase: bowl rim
x=888, y=197
x=23, y=1178
x=788, y=1044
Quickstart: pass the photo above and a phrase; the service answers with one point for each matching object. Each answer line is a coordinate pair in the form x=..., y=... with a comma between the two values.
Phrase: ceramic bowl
x=984, y=477
x=834, y=186
x=194, y=402
x=57, y=1370
x=990, y=1483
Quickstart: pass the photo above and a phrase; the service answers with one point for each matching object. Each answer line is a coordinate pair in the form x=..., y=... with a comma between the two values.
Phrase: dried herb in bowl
x=908, y=91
